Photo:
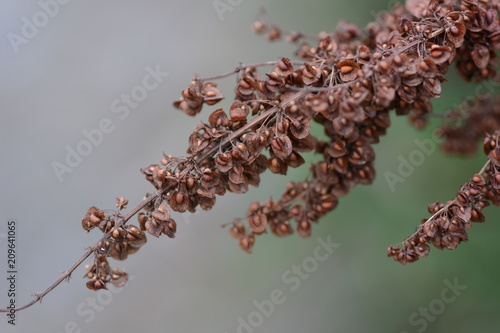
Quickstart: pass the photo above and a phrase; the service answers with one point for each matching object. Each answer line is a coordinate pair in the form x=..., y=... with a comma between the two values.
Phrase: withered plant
x=347, y=81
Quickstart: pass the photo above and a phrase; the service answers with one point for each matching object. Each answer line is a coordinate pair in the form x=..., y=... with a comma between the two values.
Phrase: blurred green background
x=65, y=79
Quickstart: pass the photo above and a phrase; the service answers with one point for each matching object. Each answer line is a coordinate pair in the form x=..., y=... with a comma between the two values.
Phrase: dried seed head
x=118, y=278
x=218, y=118
x=121, y=203
x=247, y=242
x=239, y=112
x=284, y=67
x=300, y=128
x=135, y=237
x=440, y=54
x=96, y=285
x=257, y=223
x=481, y=55
x=211, y=94
x=310, y=74
x=237, y=230
x=93, y=218
x=274, y=34
x=456, y=32
x=282, y=147
x=304, y=228
x=169, y=228
x=348, y=70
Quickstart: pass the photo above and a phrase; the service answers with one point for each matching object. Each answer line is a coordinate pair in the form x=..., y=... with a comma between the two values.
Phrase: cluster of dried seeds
x=447, y=226
x=352, y=81
x=118, y=242
x=347, y=83
x=466, y=125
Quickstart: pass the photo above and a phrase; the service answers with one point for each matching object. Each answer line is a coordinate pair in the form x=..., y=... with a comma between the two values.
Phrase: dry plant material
x=465, y=125
x=447, y=226
x=347, y=82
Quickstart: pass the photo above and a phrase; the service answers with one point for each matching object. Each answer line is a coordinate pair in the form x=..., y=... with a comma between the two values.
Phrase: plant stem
x=243, y=67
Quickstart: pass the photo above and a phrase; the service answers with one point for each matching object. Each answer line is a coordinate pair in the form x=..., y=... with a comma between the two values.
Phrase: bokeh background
x=65, y=79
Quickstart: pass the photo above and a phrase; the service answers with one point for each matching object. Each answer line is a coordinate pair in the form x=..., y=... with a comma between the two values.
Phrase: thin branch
x=39, y=296
x=242, y=67
x=265, y=17
x=67, y=274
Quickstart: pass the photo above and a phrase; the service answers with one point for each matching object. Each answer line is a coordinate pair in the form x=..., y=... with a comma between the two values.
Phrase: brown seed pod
x=282, y=229
x=277, y=165
x=300, y=127
x=440, y=54
x=96, y=284
x=118, y=278
x=179, y=201
x=348, y=70
x=427, y=68
x=218, y=118
x=310, y=74
x=295, y=160
x=480, y=55
x=455, y=33
x=257, y=223
x=135, y=237
x=237, y=230
x=153, y=226
x=246, y=88
x=239, y=112
x=282, y=147
x=274, y=34
x=284, y=67
x=106, y=225
x=337, y=147
x=247, y=242
x=211, y=94
x=119, y=251
x=304, y=228
x=169, y=228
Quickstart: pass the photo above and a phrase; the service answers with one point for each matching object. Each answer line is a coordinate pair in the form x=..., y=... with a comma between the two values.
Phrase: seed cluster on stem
x=348, y=83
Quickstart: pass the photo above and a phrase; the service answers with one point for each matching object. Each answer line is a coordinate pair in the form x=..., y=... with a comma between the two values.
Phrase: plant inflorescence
x=347, y=82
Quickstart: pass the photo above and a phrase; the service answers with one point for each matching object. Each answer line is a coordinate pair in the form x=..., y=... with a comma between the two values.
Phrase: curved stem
x=67, y=274
x=243, y=67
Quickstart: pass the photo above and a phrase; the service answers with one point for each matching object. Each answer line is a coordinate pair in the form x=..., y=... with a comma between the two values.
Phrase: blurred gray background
x=69, y=76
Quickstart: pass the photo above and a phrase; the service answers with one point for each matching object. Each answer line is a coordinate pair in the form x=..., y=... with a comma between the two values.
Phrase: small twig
x=91, y=250
x=66, y=275
x=242, y=67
